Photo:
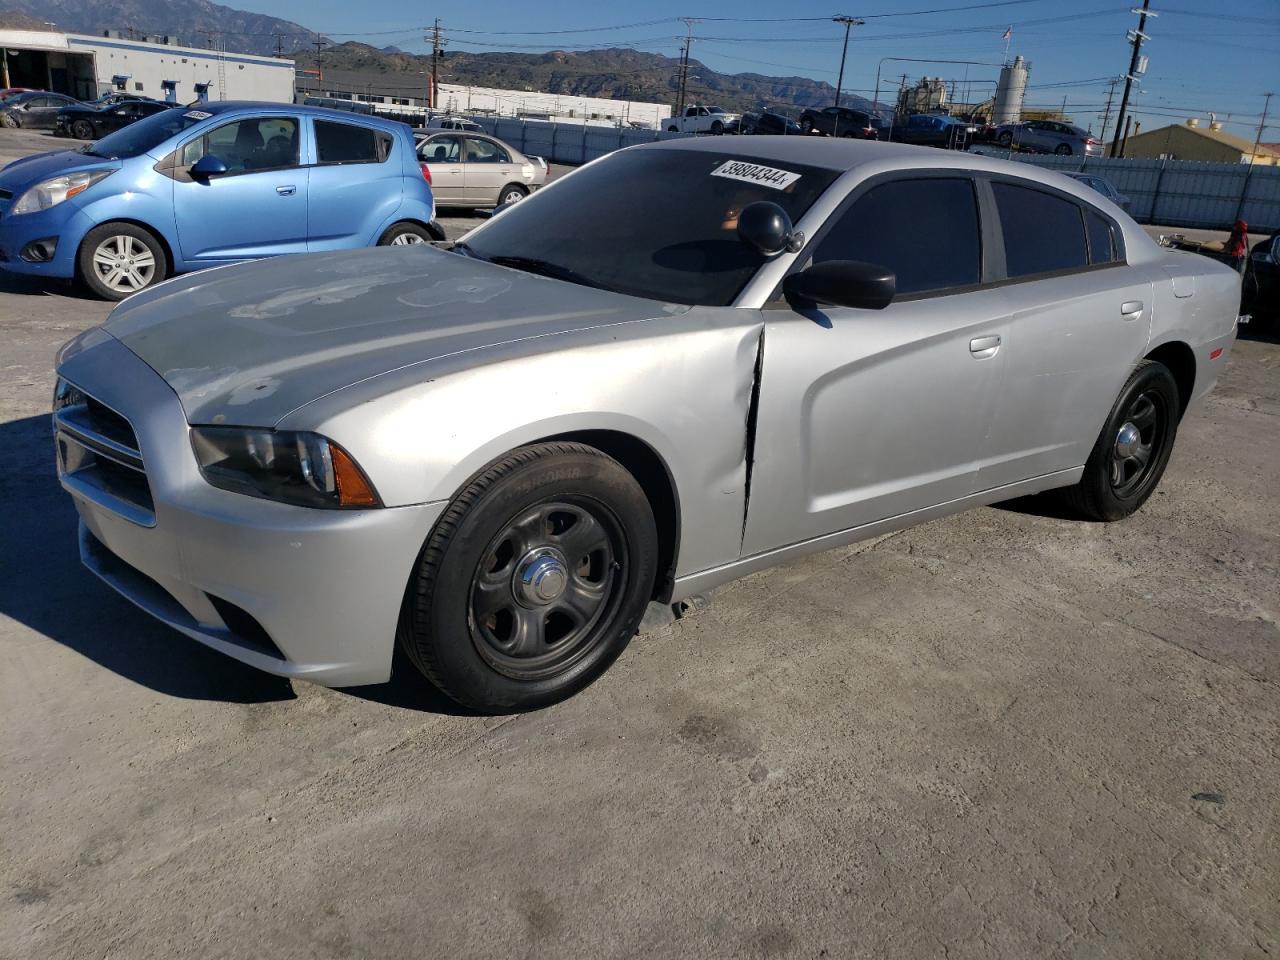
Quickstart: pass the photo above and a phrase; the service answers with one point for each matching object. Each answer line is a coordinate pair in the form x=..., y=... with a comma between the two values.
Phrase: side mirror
x=765, y=226
x=843, y=283
x=207, y=166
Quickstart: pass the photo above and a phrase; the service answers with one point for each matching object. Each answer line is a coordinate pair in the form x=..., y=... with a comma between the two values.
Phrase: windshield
x=144, y=135
x=714, y=110
x=660, y=224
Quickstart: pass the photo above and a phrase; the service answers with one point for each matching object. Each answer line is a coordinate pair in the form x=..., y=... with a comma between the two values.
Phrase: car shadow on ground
x=45, y=588
x=21, y=285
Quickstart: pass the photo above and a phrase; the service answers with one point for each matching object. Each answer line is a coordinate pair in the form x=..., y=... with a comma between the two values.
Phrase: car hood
x=248, y=344
x=40, y=166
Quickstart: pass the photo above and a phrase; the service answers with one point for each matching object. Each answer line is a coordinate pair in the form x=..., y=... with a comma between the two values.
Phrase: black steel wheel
x=1131, y=453
x=533, y=580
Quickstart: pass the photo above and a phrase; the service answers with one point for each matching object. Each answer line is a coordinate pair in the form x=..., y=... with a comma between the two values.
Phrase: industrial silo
x=1010, y=91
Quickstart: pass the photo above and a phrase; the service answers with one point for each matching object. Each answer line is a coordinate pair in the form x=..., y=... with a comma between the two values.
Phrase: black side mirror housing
x=208, y=166
x=843, y=283
x=765, y=226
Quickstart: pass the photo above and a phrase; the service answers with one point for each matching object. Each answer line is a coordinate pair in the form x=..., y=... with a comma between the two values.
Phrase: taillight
x=426, y=173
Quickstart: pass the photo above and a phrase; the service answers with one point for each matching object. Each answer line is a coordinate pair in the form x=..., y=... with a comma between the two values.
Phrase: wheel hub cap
x=541, y=578
x=1128, y=440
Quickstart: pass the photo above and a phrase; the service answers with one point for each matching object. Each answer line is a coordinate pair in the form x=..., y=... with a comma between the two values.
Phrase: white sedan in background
x=477, y=170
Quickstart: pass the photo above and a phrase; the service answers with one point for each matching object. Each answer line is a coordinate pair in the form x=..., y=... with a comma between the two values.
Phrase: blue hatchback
x=193, y=188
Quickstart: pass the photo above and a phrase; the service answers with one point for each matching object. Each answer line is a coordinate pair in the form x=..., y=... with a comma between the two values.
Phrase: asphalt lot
x=1004, y=734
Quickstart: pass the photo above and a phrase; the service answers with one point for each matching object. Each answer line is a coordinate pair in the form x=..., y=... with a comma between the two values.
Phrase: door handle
x=1131, y=309
x=984, y=347
x=286, y=191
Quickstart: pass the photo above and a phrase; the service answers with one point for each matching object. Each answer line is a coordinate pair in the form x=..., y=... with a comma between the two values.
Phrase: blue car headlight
x=51, y=192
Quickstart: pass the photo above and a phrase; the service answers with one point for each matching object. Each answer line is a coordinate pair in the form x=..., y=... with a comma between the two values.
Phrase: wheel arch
x=165, y=245
x=654, y=476
x=1181, y=361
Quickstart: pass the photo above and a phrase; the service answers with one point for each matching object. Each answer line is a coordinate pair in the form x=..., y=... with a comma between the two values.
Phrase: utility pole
x=1137, y=38
x=433, y=97
x=1106, y=116
x=684, y=62
x=849, y=23
x=1257, y=141
x=279, y=44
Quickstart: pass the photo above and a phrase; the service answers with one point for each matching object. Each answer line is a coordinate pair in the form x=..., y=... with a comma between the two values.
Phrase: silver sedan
x=677, y=365
x=1049, y=136
x=477, y=170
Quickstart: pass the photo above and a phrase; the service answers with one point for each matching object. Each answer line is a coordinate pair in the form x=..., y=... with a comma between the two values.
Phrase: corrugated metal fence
x=572, y=143
x=1184, y=193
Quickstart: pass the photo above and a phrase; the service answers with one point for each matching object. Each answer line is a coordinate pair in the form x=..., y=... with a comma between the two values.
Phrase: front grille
x=99, y=456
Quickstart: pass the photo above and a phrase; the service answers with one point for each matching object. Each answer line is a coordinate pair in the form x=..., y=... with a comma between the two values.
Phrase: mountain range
x=614, y=72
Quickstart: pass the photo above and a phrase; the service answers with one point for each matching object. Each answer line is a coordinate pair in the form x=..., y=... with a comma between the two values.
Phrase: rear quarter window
x=1043, y=232
x=350, y=143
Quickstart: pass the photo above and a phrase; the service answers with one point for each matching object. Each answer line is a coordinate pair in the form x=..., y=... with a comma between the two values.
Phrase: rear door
x=355, y=184
x=868, y=414
x=443, y=156
x=259, y=207
x=488, y=170
x=1078, y=319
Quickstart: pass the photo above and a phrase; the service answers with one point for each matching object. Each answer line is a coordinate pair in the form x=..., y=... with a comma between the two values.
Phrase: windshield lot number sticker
x=755, y=173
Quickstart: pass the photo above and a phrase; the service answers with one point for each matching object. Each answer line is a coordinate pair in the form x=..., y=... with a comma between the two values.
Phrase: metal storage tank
x=1010, y=91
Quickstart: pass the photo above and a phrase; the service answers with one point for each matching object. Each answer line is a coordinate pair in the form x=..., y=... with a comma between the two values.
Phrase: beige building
x=1191, y=141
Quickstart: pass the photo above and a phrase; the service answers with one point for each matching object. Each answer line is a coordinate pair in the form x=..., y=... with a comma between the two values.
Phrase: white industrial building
x=86, y=67
x=394, y=97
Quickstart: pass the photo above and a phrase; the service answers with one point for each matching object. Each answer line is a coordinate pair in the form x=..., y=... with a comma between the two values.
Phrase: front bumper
x=298, y=592
x=65, y=222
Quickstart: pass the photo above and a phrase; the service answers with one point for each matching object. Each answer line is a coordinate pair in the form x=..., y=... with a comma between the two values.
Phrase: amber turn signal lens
x=353, y=489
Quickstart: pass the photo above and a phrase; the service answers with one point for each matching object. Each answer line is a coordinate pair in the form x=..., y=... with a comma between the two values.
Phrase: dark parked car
x=842, y=122
x=84, y=122
x=933, y=130
x=37, y=110
x=1262, y=280
x=767, y=123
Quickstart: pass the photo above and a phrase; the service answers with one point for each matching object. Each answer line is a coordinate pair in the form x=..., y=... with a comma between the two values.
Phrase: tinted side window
x=1042, y=231
x=1102, y=242
x=925, y=231
x=348, y=143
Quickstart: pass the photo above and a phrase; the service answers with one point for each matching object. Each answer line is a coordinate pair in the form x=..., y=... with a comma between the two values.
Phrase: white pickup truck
x=699, y=118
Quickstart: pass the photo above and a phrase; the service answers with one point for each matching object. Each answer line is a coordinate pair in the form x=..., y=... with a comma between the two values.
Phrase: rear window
x=1043, y=232
x=350, y=143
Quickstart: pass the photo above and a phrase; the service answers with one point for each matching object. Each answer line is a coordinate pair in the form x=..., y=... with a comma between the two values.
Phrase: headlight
x=51, y=192
x=293, y=467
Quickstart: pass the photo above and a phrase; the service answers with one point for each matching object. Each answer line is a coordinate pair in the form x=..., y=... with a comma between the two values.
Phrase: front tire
x=403, y=234
x=533, y=580
x=806, y=126
x=117, y=260
x=1005, y=139
x=1133, y=449
x=9, y=120
x=82, y=130
x=717, y=128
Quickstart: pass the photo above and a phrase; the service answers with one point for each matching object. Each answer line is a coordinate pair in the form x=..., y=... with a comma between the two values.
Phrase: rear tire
x=116, y=260
x=673, y=129
x=82, y=130
x=1005, y=139
x=404, y=233
x=512, y=193
x=1133, y=449
x=806, y=126
x=554, y=520
x=1064, y=149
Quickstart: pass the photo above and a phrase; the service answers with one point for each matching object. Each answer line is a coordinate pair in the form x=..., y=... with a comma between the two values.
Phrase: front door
x=444, y=158
x=865, y=414
x=258, y=207
x=1079, y=318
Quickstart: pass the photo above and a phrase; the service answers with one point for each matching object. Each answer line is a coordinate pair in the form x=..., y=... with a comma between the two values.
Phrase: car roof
x=841, y=154
x=264, y=106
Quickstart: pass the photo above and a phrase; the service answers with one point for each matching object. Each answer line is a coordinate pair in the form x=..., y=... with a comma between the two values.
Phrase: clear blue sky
x=1201, y=60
